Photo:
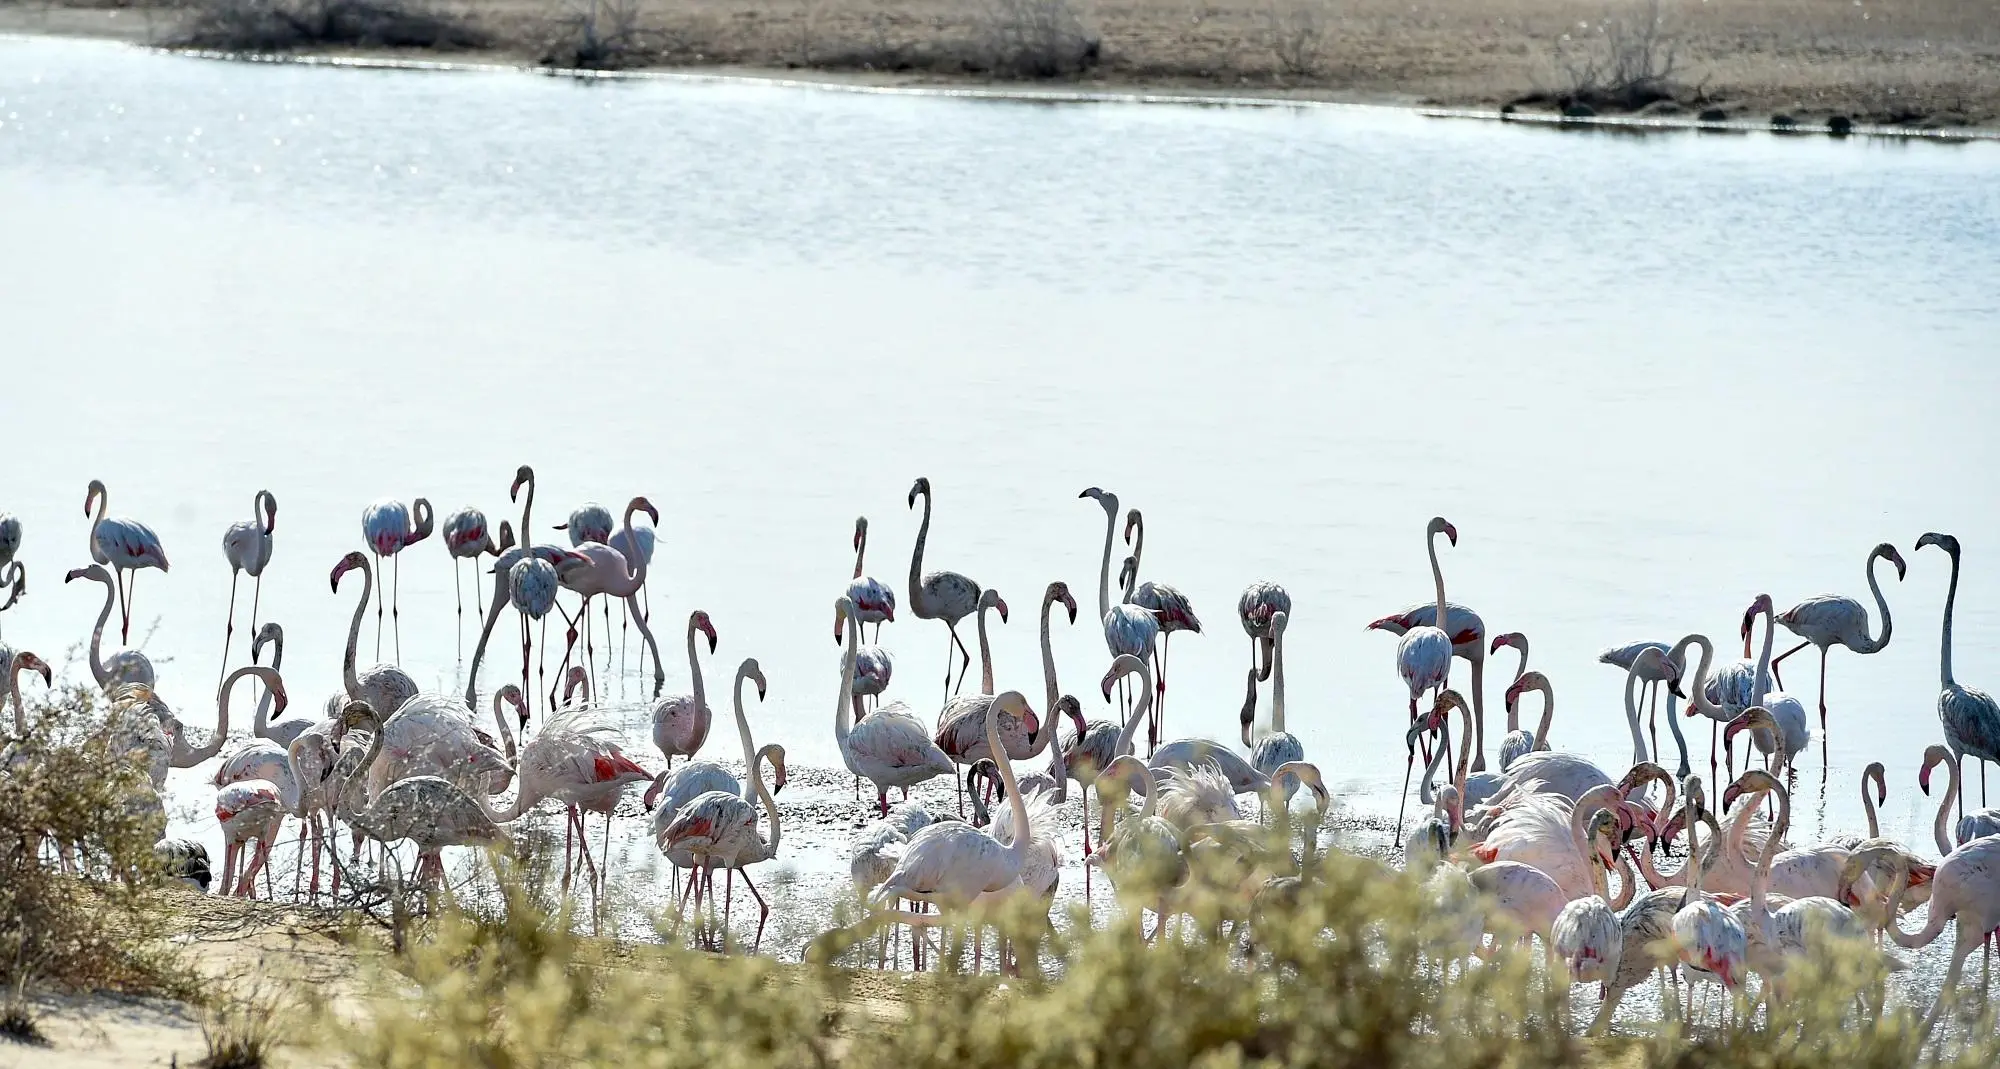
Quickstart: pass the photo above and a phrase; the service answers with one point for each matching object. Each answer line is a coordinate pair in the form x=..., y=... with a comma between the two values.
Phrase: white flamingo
x=877, y=849
x=387, y=528
x=719, y=830
x=1550, y=833
x=466, y=537
x=1128, y=629
x=1788, y=711
x=246, y=545
x=430, y=811
x=283, y=731
x=1585, y=934
x=946, y=596
x=1423, y=659
x=674, y=788
x=1168, y=605
x=874, y=601
x=125, y=545
x=1278, y=746
x=384, y=687
x=1254, y=609
x=1708, y=939
x=123, y=666
x=681, y=721
x=950, y=864
x=891, y=748
x=576, y=759
x=1971, y=718
x=1827, y=619
x=1141, y=853
x=1651, y=672
x=605, y=571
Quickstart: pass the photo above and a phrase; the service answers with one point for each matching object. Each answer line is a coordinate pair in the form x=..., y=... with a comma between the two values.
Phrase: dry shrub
x=599, y=35
x=1628, y=60
x=282, y=25
x=1296, y=31
x=241, y=1030
x=77, y=870
x=1033, y=38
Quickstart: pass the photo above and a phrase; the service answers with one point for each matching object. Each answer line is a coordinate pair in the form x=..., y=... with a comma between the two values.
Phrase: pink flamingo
x=575, y=758
x=1971, y=718
x=592, y=522
x=681, y=721
x=382, y=686
x=125, y=545
x=465, y=538
x=946, y=596
x=386, y=527
x=1167, y=604
x=1128, y=629
x=874, y=601
x=247, y=548
x=1829, y=618
x=607, y=572
x=1468, y=641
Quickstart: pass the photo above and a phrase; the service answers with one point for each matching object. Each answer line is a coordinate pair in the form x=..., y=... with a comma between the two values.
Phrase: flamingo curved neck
x=1110, y=503
x=97, y=669
x=1464, y=750
x=1136, y=526
x=1023, y=834
x=187, y=758
x=841, y=725
x=1603, y=796
x=635, y=569
x=860, y=548
x=262, y=720
x=763, y=795
x=1628, y=884
x=1698, y=693
x=1140, y=709
x=1760, y=887
x=750, y=754
x=499, y=721
x=1944, y=843
x=1277, y=680
x=1870, y=643
x=694, y=668
x=1868, y=806
x=1548, y=714
x=985, y=652
x=918, y=603
x=1762, y=683
x=1632, y=716
x=347, y=676
x=96, y=521
x=1944, y=643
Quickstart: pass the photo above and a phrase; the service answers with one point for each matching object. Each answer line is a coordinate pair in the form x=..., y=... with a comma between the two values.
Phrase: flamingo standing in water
x=592, y=522
x=1829, y=618
x=1423, y=656
x=946, y=596
x=1254, y=609
x=1971, y=718
x=1468, y=641
x=874, y=602
x=681, y=721
x=531, y=587
x=1278, y=747
x=125, y=545
x=123, y=666
x=606, y=571
x=892, y=748
x=465, y=538
x=387, y=528
x=1167, y=604
x=247, y=548
x=1652, y=673
x=1128, y=629
x=635, y=544
x=383, y=686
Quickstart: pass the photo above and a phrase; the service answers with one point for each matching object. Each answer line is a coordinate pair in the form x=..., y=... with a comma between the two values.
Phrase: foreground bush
x=77, y=868
x=282, y=25
x=1355, y=974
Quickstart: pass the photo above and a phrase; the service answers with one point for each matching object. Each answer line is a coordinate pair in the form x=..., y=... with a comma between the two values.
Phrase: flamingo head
x=1888, y=552
x=92, y=571
x=1067, y=705
x=643, y=505
x=96, y=491
x=921, y=486
x=1128, y=571
x=1396, y=624
x=1059, y=592
x=1441, y=526
x=355, y=714
x=1944, y=541
x=578, y=676
x=860, y=532
x=270, y=502
x=701, y=623
x=777, y=758
x=842, y=609
x=1133, y=520
x=523, y=475
x=1604, y=834
x=1430, y=722
x=353, y=560
x=511, y=694
x=1933, y=757
x=751, y=670
x=1511, y=638
x=651, y=799
x=1761, y=605
x=32, y=663
x=991, y=600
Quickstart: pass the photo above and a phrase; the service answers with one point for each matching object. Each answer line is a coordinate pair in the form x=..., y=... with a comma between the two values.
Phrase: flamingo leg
x=458, y=596
x=229, y=629
x=965, y=662
x=1653, y=717
x=607, y=644
x=728, y=899
x=378, y=607
x=569, y=827
x=1409, y=767
x=396, y=608
x=1822, y=695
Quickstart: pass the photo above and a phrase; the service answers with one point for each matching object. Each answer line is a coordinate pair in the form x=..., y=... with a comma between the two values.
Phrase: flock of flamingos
x=1526, y=846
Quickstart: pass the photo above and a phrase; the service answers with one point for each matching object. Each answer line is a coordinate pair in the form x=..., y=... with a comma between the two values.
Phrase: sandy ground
x=1913, y=62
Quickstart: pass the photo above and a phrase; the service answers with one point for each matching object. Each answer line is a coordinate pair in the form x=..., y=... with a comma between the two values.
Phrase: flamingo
x=465, y=538
x=1516, y=742
x=252, y=810
x=1829, y=618
x=1253, y=610
x=891, y=748
x=1977, y=824
x=872, y=669
x=382, y=686
x=386, y=527
x=1278, y=746
x=1966, y=888
x=1128, y=629
x=950, y=864
x=1057, y=593
x=874, y=602
x=674, y=788
x=1788, y=711
x=1167, y=604
x=531, y=588
x=126, y=545
x=502, y=572
x=1652, y=674
x=10, y=537
x=635, y=544
x=1646, y=942
x=1468, y=641
x=946, y=596
x=1708, y=938
x=430, y=811
x=247, y=548
x=13, y=579
x=123, y=666
x=681, y=721
x=1423, y=659
x=1096, y=744
x=605, y=571
x=1585, y=934
x=1971, y=718
x=1530, y=899
x=720, y=829
x=576, y=759
x=1142, y=854
x=877, y=849
x=284, y=731
x=592, y=522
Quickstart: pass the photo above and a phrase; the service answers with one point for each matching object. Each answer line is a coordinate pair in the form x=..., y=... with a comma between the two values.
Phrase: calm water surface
x=1647, y=378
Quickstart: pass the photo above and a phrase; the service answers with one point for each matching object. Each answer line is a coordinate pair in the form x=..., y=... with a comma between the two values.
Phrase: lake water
x=1646, y=377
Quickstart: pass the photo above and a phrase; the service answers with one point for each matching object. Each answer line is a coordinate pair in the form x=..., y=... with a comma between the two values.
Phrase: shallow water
x=1647, y=377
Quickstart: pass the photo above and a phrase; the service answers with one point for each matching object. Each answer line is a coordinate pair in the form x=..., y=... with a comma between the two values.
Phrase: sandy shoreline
x=1929, y=65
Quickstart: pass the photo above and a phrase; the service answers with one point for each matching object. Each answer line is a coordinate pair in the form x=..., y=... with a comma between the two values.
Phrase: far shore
x=1921, y=66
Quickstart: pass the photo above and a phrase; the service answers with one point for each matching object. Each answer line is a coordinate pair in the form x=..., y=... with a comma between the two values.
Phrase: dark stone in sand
x=1783, y=122
x=1713, y=115
x=1840, y=126
x=1578, y=111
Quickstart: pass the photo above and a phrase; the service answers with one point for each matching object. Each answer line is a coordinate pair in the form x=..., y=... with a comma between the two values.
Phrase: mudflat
x=1907, y=62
